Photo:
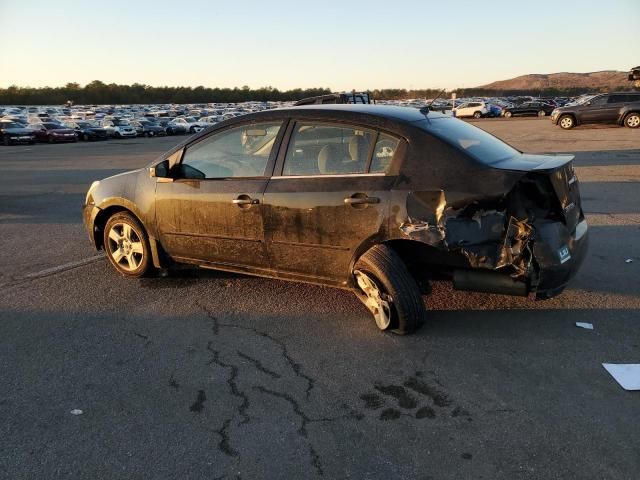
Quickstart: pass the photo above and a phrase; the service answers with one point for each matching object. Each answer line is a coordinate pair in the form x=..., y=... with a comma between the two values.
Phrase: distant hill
x=604, y=80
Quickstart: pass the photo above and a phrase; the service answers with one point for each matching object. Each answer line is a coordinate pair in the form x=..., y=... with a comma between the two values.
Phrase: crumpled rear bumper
x=559, y=254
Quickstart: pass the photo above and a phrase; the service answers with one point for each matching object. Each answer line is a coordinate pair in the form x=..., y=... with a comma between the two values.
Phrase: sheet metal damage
x=485, y=231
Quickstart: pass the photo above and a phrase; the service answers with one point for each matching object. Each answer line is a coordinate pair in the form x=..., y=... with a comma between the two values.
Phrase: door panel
x=311, y=230
x=198, y=219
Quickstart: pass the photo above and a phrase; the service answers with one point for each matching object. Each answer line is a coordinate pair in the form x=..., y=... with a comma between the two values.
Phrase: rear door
x=211, y=210
x=330, y=197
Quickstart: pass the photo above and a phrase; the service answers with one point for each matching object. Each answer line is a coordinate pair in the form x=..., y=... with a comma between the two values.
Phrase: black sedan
x=540, y=109
x=374, y=199
x=146, y=128
x=88, y=131
x=54, y=132
x=14, y=132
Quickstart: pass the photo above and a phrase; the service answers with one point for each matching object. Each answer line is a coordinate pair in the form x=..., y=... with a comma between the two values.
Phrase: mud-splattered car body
x=452, y=201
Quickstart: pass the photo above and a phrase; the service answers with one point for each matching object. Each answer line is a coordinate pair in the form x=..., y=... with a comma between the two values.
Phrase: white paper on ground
x=628, y=260
x=626, y=374
x=588, y=326
x=76, y=411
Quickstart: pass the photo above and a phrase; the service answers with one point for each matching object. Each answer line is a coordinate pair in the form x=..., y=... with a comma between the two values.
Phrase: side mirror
x=588, y=103
x=161, y=170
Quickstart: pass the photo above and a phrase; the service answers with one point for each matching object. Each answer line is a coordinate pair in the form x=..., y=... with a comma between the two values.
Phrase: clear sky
x=288, y=44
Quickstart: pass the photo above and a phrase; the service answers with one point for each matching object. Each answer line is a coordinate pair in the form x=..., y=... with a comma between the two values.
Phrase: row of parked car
x=60, y=124
x=65, y=124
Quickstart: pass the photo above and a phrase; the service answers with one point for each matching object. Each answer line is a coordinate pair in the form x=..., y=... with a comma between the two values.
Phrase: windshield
x=482, y=146
x=10, y=125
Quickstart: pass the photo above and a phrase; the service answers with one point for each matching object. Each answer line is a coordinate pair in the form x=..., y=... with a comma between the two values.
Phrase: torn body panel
x=526, y=233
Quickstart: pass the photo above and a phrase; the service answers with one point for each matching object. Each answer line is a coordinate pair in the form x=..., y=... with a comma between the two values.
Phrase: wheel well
x=101, y=220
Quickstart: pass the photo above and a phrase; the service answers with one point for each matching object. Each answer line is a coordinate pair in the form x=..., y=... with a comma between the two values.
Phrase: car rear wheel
x=632, y=120
x=541, y=113
x=127, y=245
x=477, y=114
x=567, y=122
x=389, y=291
x=508, y=114
x=50, y=139
x=6, y=142
x=85, y=137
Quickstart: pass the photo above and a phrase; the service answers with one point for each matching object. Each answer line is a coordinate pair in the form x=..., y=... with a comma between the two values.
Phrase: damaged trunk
x=499, y=233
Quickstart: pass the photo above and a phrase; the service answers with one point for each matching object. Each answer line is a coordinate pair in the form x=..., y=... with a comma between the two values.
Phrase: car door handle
x=359, y=199
x=245, y=200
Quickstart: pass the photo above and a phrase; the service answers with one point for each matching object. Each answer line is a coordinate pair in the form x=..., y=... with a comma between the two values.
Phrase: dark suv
x=375, y=199
x=622, y=108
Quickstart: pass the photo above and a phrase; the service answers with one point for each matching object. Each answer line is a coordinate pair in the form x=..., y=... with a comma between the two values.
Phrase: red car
x=53, y=133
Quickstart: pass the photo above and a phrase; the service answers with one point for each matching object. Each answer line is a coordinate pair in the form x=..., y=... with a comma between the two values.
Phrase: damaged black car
x=375, y=199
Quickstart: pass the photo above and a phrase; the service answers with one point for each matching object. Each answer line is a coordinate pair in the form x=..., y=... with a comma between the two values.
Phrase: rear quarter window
x=475, y=142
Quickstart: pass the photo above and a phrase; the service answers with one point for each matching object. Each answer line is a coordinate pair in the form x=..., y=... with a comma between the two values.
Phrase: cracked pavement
x=212, y=375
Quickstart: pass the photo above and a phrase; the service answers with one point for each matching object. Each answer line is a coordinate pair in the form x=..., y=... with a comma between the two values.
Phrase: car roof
x=391, y=112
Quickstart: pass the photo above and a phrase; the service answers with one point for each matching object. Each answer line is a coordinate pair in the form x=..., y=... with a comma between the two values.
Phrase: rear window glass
x=480, y=145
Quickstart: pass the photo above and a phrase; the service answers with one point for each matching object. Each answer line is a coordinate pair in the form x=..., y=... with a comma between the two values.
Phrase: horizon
x=367, y=46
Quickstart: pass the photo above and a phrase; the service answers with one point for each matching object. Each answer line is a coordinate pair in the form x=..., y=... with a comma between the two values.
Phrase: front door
x=212, y=210
x=329, y=200
x=597, y=110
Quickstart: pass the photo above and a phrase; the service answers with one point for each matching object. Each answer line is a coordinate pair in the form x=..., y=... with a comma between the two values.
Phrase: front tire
x=541, y=113
x=632, y=120
x=567, y=122
x=389, y=291
x=508, y=114
x=477, y=114
x=127, y=245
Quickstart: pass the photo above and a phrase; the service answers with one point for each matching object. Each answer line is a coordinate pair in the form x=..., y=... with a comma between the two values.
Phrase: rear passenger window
x=323, y=149
x=383, y=153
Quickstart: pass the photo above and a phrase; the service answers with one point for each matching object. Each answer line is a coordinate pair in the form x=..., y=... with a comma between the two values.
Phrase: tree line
x=98, y=92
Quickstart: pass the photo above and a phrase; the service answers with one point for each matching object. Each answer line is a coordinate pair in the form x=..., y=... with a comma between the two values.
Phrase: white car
x=471, y=109
x=118, y=128
x=185, y=125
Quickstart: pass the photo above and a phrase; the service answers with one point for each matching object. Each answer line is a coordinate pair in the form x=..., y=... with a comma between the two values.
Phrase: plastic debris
x=588, y=326
x=629, y=260
x=76, y=411
x=626, y=374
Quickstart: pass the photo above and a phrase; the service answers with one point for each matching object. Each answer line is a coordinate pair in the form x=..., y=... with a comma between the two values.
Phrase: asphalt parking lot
x=213, y=375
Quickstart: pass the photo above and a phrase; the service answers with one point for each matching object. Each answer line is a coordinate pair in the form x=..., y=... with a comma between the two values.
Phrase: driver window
x=238, y=152
x=599, y=101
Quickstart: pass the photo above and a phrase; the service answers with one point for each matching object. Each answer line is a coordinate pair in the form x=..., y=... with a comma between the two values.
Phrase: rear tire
x=127, y=245
x=542, y=113
x=632, y=120
x=394, y=286
x=477, y=114
x=566, y=122
x=6, y=142
x=508, y=114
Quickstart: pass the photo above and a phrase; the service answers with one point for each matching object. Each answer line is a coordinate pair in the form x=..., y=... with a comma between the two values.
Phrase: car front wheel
x=567, y=122
x=477, y=114
x=541, y=113
x=508, y=114
x=127, y=245
x=632, y=120
x=389, y=291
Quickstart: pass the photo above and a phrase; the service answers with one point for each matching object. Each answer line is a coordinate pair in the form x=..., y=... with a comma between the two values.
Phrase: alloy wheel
x=378, y=302
x=566, y=122
x=125, y=247
x=633, y=121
